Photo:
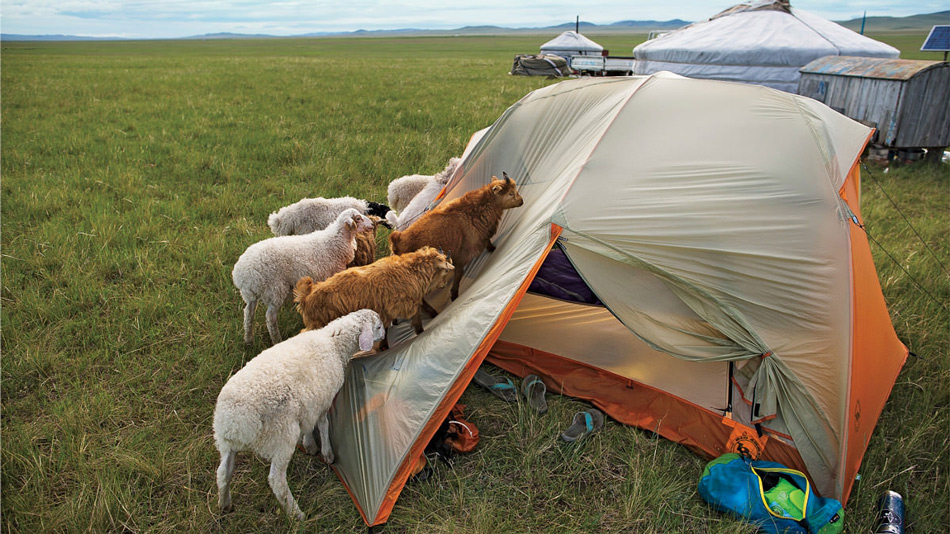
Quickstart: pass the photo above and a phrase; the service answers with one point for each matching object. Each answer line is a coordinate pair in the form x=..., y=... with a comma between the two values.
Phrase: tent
x=571, y=43
x=729, y=284
x=764, y=42
x=543, y=65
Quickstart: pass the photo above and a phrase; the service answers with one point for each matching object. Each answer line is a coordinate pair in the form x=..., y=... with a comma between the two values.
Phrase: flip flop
x=502, y=388
x=584, y=424
x=534, y=389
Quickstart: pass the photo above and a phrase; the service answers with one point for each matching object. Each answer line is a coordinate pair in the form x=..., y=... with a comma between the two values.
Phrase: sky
x=149, y=19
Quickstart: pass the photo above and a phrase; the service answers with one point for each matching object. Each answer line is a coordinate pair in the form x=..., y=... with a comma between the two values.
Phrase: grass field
x=135, y=173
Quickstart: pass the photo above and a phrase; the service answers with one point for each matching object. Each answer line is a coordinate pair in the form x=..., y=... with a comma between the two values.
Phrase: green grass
x=135, y=173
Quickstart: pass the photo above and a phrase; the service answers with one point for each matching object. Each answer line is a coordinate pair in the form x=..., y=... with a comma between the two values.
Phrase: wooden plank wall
x=907, y=113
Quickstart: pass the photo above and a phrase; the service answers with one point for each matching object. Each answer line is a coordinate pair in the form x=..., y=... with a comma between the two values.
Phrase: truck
x=602, y=65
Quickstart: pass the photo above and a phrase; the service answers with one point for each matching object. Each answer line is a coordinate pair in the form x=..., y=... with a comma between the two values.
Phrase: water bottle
x=891, y=505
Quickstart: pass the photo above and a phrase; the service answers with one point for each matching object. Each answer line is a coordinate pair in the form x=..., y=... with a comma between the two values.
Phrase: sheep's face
x=375, y=220
x=379, y=330
x=362, y=223
x=371, y=332
x=506, y=192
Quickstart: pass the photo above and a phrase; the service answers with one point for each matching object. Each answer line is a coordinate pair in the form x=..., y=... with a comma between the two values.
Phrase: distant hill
x=913, y=23
x=18, y=37
x=628, y=26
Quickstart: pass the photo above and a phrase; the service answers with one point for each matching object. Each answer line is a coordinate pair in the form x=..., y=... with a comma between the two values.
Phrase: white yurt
x=764, y=42
x=571, y=43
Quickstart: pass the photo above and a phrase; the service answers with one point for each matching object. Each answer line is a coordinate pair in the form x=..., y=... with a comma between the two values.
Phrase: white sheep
x=403, y=189
x=409, y=203
x=274, y=401
x=268, y=270
x=310, y=214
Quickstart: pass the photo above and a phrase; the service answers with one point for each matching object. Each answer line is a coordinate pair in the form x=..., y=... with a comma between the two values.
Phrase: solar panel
x=938, y=40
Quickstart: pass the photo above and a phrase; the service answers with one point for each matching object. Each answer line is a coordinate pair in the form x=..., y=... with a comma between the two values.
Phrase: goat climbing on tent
x=462, y=227
x=393, y=286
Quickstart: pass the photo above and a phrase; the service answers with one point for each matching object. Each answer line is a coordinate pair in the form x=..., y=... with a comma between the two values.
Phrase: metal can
x=891, y=506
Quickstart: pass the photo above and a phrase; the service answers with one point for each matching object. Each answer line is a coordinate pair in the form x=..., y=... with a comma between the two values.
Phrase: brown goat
x=366, y=245
x=463, y=227
x=392, y=286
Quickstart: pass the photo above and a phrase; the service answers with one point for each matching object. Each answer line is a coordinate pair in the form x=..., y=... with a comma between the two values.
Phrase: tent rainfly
x=764, y=42
x=694, y=292
x=571, y=43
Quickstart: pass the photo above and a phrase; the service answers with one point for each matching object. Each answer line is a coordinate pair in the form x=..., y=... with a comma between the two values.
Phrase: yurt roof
x=571, y=40
x=763, y=32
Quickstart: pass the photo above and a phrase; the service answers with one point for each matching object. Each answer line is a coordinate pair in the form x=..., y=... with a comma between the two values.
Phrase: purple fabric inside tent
x=557, y=279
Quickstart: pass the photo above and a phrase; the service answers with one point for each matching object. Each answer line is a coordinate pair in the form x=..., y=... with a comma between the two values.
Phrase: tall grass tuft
x=135, y=173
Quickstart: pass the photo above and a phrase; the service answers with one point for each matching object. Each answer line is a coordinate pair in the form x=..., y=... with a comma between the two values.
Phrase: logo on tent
x=745, y=440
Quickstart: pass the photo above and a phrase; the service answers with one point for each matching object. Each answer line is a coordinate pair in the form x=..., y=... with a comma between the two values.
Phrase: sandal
x=584, y=424
x=534, y=389
x=502, y=388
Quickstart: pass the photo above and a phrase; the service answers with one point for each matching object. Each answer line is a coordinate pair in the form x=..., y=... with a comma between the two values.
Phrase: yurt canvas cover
x=718, y=229
x=571, y=43
x=764, y=42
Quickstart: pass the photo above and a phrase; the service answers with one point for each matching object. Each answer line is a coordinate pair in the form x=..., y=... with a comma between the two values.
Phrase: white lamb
x=273, y=403
x=403, y=189
x=310, y=214
x=409, y=200
x=268, y=270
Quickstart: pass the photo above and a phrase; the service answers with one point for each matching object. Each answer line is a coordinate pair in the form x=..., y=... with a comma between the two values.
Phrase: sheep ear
x=366, y=336
x=496, y=188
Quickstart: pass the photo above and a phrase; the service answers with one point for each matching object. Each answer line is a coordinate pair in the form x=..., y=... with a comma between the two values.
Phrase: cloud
x=179, y=18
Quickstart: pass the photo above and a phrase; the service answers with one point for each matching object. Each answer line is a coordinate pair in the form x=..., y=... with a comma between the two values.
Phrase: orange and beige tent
x=690, y=258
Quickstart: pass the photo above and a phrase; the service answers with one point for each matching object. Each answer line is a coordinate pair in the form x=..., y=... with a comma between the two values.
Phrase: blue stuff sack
x=769, y=495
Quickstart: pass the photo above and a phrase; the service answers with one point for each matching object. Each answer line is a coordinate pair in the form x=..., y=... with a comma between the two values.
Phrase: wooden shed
x=907, y=101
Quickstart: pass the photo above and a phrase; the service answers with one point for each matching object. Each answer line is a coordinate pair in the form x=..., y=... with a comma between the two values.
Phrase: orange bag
x=462, y=435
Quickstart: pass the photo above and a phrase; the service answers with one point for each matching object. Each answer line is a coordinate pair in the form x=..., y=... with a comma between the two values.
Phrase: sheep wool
x=402, y=190
x=416, y=202
x=366, y=245
x=311, y=214
x=268, y=270
x=275, y=401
